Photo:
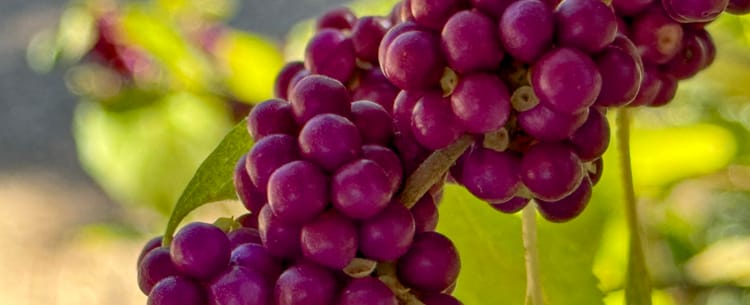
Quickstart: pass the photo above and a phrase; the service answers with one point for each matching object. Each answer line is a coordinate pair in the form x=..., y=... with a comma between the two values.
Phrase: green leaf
x=213, y=180
x=493, y=270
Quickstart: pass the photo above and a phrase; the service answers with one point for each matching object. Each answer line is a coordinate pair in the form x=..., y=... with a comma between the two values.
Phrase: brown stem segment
x=638, y=285
x=432, y=170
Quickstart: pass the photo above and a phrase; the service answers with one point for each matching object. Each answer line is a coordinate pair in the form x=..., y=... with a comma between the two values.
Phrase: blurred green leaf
x=663, y=156
x=214, y=179
x=493, y=269
x=146, y=155
x=251, y=64
x=152, y=31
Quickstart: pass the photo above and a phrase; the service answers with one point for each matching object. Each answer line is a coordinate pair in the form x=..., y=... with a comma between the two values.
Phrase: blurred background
x=107, y=108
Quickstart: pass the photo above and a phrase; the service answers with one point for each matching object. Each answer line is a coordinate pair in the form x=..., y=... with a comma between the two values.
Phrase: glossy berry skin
x=588, y=25
x=330, y=240
x=388, y=160
x=243, y=235
x=527, y=29
x=591, y=140
x=155, y=266
x=271, y=117
x=411, y=70
x=691, y=11
x=367, y=291
x=650, y=87
x=176, y=290
x=425, y=214
x=481, y=103
x=630, y=7
x=568, y=207
x=431, y=264
x=239, y=285
x=298, y=192
x=200, y=250
x=252, y=198
x=566, y=80
x=340, y=18
x=510, y=206
x=551, y=170
x=375, y=87
x=284, y=78
x=366, y=36
x=280, y=238
x=657, y=37
x=331, y=53
x=330, y=141
x=151, y=244
x=433, y=123
x=267, y=155
x=622, y=74
x=318, y=94
x=257, y=257
x=391, y=35
x=667, y=91
x=360, y=189
x=493, y=8
x=691, y=59
x=434, y=13
x=388, y=235
x=470, y=42
x=491, y=175
x=548, y=125
x=305, y=284
x=373, y=121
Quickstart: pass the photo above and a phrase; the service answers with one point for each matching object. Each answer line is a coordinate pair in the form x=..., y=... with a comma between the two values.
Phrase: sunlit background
x=107, y=108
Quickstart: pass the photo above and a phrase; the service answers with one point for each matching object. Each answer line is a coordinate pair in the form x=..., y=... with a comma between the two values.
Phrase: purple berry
x=298, y=192
x=280, y=238
x=388, y=235
x=440, y=299
x=551, y=170
x=267, y=155
x=589, y=25
x=330, y=140
x=284, y=78
x=494, y=8
x=547, y=125
x=155, y=266
x=425, y=214
x=150, y=245
x=367, y=291
x=692, y=11
x=569, y=207
x=318, y=94
x=591, y=140
x=657, y=37
x=271, y=117
x=434, y=13
x=481, y=103
x=510, y=206
x=650, y=87
x=242, y=236
x=630, y=7
x=471, y=43
x=738, y=7
x=366, y=36
x=431, y=264
x=491, y=175
x=239, y=285
x=305, y=284
x=330, y=240
x=373, y=121
x=526, y=29
x=340, y=18
x=331, y=53
x=691, y=59
x=622, y=74
x=257, y=257
x=360, y=189
x=375, y=87
x=433, y=123
x=200, y=250
x=176, y=290
x=414, y=60
x=388, y=160
x=252, y=198
x=566, y=80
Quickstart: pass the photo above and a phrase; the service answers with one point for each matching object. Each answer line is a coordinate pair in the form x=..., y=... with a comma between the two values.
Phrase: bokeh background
x=107, y=108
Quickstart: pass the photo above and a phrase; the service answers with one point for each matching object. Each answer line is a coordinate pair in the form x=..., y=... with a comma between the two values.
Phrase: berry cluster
x=529, y=81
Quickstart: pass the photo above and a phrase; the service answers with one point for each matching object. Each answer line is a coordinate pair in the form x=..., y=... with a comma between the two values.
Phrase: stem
x=637, y=286
x=432, y=170
x=533, y=283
